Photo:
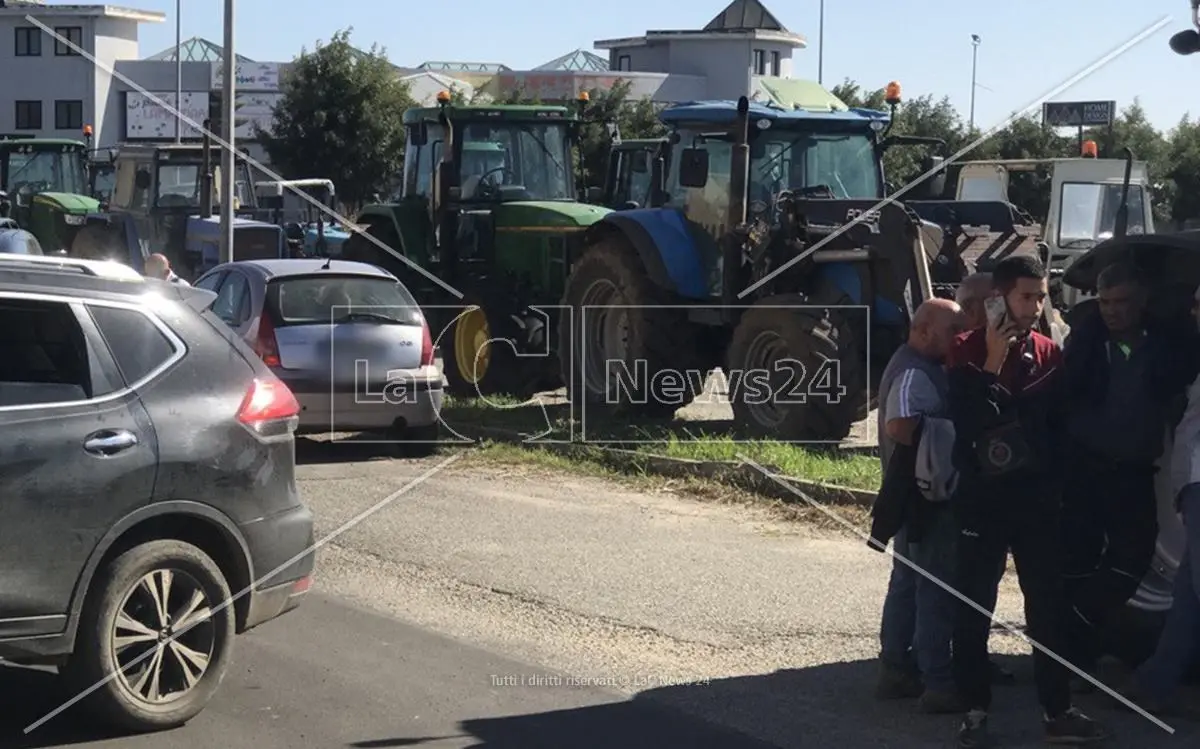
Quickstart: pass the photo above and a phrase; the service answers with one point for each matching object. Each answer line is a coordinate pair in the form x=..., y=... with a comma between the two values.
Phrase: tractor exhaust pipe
x=1121, y=225
x=731, y=256
x=206, y=173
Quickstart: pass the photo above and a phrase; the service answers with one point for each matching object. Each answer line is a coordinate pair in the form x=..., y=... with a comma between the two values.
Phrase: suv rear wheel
x=152, y=618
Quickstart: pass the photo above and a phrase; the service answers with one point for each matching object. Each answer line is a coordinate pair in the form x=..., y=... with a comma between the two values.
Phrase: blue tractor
x=769, y=249
x=309, y=232
x=163, y=201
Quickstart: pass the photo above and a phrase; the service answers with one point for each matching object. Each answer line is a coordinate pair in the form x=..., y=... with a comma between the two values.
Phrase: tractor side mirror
x=693, y=167
x=141, y=180
x=595, y=194
x=937, y=182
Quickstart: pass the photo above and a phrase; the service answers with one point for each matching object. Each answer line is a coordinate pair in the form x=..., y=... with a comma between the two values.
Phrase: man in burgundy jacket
x=1007, y=402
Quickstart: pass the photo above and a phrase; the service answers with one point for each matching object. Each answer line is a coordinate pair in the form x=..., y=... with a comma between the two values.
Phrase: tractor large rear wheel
x=802, y=372
x=97, y=242
x=622, y=346
x=360, y=249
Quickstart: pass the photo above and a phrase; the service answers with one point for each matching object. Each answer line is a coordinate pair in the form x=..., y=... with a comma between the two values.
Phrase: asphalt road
x=703, y=624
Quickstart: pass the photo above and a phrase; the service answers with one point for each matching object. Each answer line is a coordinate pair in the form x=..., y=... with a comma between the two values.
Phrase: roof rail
x=107, y=269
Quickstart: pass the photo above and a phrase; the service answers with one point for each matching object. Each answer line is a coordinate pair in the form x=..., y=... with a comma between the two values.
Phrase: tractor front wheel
x=478, y=359
x=623, y=345
x=797, y=374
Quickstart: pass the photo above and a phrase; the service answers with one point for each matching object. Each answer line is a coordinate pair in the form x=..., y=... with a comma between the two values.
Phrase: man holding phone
x=1007, y=402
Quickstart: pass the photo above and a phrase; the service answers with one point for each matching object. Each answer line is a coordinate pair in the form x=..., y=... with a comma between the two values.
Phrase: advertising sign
x=249, y=76
x=146, y=119
x=1079, y=113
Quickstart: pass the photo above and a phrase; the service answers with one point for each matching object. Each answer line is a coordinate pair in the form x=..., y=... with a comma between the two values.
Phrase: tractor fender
x=664, y=242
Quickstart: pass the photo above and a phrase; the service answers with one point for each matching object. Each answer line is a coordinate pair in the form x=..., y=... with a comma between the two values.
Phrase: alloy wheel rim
x=164, y=636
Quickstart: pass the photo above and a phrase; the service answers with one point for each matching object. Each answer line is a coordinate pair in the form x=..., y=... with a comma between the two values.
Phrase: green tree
x=634, y=119
x=340, y=116
x=1183, y=172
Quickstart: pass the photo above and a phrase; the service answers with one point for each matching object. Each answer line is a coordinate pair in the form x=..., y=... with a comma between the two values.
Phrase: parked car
x=149, y=475
x=16, y=241
x=348, y=338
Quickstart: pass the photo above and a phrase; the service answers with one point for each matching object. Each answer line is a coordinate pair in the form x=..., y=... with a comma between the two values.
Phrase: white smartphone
x=996, y=310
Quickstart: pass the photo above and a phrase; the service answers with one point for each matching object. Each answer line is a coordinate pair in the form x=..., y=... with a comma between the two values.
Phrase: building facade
x=48, y=88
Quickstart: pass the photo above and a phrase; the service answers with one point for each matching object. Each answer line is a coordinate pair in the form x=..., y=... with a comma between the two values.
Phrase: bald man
x=918, y=615
x=157, y=266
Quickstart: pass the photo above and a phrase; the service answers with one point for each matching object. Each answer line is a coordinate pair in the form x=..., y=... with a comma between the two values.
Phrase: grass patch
x=678, y=438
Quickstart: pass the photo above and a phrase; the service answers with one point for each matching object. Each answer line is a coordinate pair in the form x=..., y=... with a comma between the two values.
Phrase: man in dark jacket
x=1007, y=401
x=1123, y=378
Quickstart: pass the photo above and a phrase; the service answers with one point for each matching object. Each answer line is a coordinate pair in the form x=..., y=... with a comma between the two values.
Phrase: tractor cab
x=631, y=172
x=311, y=231
x=102, y=173
x=163, y=201
x=488, y=209
x=44, y=187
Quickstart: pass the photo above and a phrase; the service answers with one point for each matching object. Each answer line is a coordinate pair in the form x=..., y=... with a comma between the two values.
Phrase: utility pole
x=228, y=178
x=178, y=71
x=974, y=68
x=821, y=45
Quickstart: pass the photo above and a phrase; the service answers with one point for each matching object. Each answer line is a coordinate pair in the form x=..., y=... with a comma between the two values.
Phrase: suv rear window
x=327, y=297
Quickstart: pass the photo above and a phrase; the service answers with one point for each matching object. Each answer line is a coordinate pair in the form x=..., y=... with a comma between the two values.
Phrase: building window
x=760, y=62
x=28, y=42
x=775, y=66
x=624, y=63
x=74, y=35
x=29, y=115
x=68, y=115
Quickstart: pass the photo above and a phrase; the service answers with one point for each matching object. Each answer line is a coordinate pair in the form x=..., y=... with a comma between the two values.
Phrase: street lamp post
x=228, y=180
x=821, y=44
x=178, y=70
x=974, y=67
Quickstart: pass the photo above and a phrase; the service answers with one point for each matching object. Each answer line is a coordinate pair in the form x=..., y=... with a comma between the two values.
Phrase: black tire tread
x=87, y=665
x=666, y=337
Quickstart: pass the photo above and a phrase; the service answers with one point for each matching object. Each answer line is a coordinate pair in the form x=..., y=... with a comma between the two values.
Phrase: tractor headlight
x=73, y=220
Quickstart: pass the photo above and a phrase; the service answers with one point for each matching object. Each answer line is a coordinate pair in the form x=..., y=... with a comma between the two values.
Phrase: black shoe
x=973, y=732
x=1000, y=674
x=1073, y=727
x=898, y=684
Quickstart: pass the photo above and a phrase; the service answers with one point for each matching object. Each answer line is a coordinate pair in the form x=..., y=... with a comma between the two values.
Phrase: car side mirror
x=693, y=167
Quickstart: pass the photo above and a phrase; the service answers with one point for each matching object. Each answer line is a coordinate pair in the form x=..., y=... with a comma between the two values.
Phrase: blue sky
x=1028, y=46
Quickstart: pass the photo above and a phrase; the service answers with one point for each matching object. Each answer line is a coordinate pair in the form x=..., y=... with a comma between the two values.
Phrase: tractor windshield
x=515, y=160
x=844, y=162
x=178, y=185
x=44, y=169
x=1088, y=213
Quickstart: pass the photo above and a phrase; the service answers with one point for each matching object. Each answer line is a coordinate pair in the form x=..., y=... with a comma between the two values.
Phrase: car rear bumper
x=347, y=408
x=281, y=548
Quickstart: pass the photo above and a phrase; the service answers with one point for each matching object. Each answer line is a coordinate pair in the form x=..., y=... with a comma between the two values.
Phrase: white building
x=47, y=88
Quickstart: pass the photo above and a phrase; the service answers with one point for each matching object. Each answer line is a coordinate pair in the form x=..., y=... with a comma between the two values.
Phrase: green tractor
x=489, y=208
x=44, y=188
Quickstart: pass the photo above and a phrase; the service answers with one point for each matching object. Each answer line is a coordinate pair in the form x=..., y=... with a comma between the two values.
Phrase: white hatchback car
x=348, y=338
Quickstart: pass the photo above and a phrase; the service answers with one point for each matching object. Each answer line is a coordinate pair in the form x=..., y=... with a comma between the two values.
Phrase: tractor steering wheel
x=486, y=185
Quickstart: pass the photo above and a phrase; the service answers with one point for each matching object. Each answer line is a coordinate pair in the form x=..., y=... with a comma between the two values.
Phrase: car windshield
x=327, y=298
x=845, y=162
x=1088, y=214
x=43, y=169
x=530, y=160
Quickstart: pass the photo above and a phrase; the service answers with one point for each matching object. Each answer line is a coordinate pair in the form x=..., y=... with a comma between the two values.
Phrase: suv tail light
x=269, y=407
x=426, y=344
x=265, y=345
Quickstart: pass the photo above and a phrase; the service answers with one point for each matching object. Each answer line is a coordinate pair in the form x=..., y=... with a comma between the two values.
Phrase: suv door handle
x=108, y=442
